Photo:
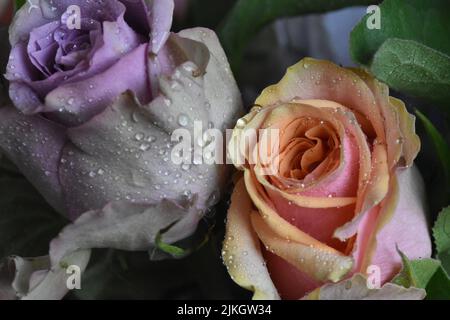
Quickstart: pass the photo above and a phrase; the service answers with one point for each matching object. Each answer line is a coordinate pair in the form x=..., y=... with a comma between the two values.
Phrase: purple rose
x=97, y=88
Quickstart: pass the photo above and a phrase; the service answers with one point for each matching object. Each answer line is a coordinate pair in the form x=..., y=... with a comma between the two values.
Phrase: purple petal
x=82, y=100
x=97, y=10
x=109, y=46
x=117, y=39
x=161, y=15
x=25, y=99
x=20, y=67
x=41, y=49
x=34, y=144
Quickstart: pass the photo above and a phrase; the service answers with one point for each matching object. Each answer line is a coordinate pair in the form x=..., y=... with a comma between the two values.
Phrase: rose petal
x=318, y=264
x=356, y=288
x=277, y=233
x=34, y=144
x=41, y=58
x=292, y=284
x=402, y=140
x=121, y=225
x=376, y=191
x=161, y=13
x=400, y=225
x=82, y=100
x=316, y=79
x=241, y=249
x=35, y=279
x=409, y=140
x=223, y=101
x=122, y=154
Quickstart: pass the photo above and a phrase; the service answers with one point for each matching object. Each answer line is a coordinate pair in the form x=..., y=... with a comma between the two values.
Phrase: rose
x=93, y=110
x=344, y=196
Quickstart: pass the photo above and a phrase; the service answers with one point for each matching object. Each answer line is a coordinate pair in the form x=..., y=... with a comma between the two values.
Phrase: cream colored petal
x=317, y=79
x=356, y=288
x=402, y=142
x=241, y=145
x=241, y=249
x=410, y=141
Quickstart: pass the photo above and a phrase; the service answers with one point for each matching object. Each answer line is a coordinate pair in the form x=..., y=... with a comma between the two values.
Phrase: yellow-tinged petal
x=318, y=79
x=402, y=142
x=318, y=264
x=410, y=141
x=241, y=249
x=241, y=146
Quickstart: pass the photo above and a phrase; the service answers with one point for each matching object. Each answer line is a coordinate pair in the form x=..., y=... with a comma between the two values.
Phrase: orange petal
x=317, y=79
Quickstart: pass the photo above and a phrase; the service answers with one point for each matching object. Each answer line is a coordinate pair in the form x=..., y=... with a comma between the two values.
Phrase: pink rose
x=345, y=194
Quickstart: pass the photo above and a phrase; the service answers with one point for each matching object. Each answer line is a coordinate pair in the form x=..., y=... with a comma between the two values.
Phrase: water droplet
x=183, y=120
x=241, y=123
x=144, y=147
x=139, y=136
x=168, y=102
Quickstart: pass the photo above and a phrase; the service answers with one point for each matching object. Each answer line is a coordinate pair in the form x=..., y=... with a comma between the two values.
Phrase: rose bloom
x=345, y=195
x=97, y=88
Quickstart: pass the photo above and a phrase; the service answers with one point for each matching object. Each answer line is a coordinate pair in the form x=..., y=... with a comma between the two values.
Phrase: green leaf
x=175, y=251
x=411, y=50
x=414, y=69
x=427, y=274
x=441, y=233
x=249, y=16
x=438, y=287
x=441, y=146
x=423, y=21
x=193, y=243
x=27, y=222
x=416, y=273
